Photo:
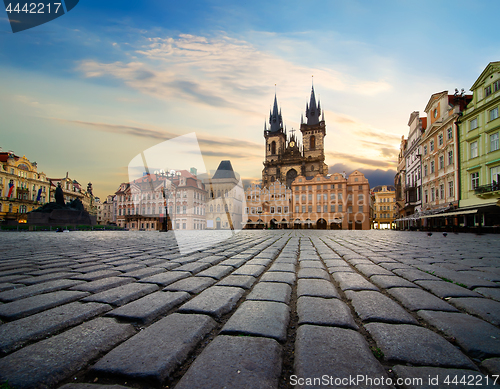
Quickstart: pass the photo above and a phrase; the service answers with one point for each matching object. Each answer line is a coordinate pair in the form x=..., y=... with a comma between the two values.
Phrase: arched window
x=226, y=208
x=312, y=143
x=211, y=208
x=218, y=193
x=218, y=207
x=273, y=147
x=225, y=193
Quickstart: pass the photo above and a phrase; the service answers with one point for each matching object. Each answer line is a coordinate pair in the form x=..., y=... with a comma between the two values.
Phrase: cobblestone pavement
x=263, y=309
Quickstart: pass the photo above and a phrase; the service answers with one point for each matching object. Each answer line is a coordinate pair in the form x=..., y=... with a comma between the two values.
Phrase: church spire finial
x=313, y=110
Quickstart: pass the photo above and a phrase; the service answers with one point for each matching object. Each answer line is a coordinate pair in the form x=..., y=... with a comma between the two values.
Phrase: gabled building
x=384, y=206
x=400, y=179
x=480, y=152
x=413, y=155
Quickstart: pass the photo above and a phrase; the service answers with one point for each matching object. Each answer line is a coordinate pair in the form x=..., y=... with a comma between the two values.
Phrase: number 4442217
x=33, y=8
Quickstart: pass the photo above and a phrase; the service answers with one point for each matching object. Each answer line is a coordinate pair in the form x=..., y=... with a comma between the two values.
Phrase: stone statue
x=59, y=195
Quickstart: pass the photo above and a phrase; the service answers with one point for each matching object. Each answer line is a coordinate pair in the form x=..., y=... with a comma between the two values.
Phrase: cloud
x=359, y=160
x=375, y=176
x=218, y=72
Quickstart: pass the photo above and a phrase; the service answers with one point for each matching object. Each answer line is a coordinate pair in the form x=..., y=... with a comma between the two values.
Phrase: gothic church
x=286, y=158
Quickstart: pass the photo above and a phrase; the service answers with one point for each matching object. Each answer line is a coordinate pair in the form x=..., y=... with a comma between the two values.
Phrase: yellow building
x=22, y=188
x=384, y=206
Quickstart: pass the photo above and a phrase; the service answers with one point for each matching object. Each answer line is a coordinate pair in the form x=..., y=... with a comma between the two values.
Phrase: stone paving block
x=271, y=291
x=279, y=276
x=193, y=267
x=387, y=282
x=492, y=366
x=424, y=377
x=191, y=285
x=48, y=277
x=91, y=268
x=374, y=306
x=50, y=271
x=470, y=281
x=416, y=345
x=492, y=293
x=129, y=267
x=336, y=263
x=234, y=262
x=50, y=361
x=244, y=282
x=96, y=275
x=316, y=288
x=312, y=264
x=31, y=290
x=166, y=278
x=417, y=299
x=327, y=312
x=336, y=352
x=353, y=281
x=212, y=259
x=217, y=272
x=155, y=352
x=122, y=294
x=9, y=285
x=144, y=272
x=261, y=318
x=102, y=284
x=444, y=289
x=282, y=267
x=478, y=338
x=259, y=261
x=235, y=362
x=15, y=334
x=313, y=273
x=486, y=309
x=31, y=305
x=148, y=308
x=415, y=274
x=214, y=301
x=372, y=270
x=250, y=270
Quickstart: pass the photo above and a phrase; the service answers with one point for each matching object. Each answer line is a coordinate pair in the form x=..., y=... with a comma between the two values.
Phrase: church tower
x=313, y=134
x=275, y=145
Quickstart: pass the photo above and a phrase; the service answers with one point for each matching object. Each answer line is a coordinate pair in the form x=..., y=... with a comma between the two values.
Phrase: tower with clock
x=286, y=157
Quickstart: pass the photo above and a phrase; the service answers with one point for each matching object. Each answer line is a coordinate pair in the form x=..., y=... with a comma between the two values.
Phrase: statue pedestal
x=61, y=217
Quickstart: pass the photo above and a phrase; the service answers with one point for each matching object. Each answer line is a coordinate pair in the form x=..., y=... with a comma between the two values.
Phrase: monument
x=59, y=213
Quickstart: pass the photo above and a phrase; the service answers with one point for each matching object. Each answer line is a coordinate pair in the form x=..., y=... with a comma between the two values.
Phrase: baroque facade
x=22, y=187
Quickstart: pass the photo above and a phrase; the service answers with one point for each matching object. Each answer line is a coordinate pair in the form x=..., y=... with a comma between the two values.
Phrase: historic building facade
x=269, y=207
x=385, y=210
x=439, y=146
x=480, y=151
x=22, y=187
x=285, y=157
x=400, y=179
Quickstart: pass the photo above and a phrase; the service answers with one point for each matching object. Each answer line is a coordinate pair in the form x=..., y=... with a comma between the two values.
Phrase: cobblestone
x=250, y=311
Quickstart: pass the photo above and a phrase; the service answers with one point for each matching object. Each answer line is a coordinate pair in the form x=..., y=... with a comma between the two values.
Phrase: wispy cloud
x=359, y=160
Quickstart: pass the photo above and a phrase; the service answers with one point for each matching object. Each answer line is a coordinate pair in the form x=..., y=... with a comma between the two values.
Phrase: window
x=441, y=162
x=312, y=143
x=332, y=208
x=310, y=208
x=495, y=175
x=440, y=139
x=474, y=180
x=325, y=208
x=473, y=124
x=340, y=196
x=425, y=150
x=494, y=113
x=303, y=198
x=494, y=142
x=340, y=208
x=432, y=195
x=332, y=196
x=349, y=209
x=285, y=209
x=496, y=86
x=297, y=209
x=441, y=191
x=318, y=208
x=473, y=149
x=279, y=210
x=272, y=209
x=432, y=145
x=426, y=196
x=318, y=197
x=333, y=186
x=450, y=157
x=450, y=133
x=310, y=197
x=318, y=187
x=425, y=170
x=360, y=208
x=303, y=209
x=450, y=189
x=361, y=198
x=487, y=91
x=432, y=167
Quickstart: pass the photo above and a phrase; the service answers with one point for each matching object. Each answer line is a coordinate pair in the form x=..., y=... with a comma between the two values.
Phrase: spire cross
x=292, y=131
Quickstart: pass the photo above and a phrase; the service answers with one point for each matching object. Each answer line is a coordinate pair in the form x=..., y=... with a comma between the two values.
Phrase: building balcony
x=489, y=190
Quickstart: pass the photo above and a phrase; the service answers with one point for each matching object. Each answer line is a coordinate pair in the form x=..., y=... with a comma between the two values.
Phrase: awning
x=451, y=213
